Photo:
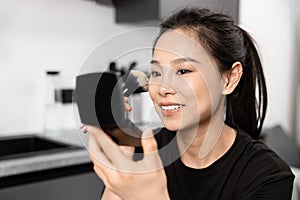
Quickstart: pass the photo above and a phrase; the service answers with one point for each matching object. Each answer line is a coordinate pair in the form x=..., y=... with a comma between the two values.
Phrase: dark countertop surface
x=35, y=163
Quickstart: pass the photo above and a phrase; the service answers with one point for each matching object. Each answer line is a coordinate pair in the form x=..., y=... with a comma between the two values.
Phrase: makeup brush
x=136, y=82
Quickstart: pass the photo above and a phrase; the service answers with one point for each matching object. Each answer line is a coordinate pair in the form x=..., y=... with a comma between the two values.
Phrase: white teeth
x=171, y=107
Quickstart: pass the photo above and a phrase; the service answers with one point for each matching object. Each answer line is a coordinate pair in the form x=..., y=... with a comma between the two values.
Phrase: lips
x=170, y=108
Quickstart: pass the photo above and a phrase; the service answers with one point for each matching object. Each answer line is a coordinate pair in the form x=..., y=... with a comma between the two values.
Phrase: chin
x=172, y=126
x=180, y=127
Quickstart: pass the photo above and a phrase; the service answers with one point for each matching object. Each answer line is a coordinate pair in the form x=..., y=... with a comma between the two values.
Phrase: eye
x=155, y=74
x=183, y=71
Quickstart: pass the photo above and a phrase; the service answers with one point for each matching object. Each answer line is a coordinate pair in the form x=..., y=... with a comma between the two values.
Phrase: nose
x=165, y=90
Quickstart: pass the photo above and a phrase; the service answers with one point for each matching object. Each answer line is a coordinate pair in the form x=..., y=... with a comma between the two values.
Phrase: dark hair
x=228, y=43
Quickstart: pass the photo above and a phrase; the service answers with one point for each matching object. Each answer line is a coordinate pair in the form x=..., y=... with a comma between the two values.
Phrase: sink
x=30, y=145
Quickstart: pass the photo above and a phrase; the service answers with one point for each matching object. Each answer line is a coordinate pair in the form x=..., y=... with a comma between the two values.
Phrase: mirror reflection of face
x=185, y=84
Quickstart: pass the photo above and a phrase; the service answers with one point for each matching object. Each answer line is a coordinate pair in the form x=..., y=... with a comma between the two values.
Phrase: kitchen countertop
x=55, y=160
x=52, y=160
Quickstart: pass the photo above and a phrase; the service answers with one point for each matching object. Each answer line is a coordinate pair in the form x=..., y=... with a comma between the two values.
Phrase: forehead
x=180, y=43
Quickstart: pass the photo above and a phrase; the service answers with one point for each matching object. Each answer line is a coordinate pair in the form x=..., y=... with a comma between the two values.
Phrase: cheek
x=152, y=89
x=200, y=98
x=204, y=101
x=208, y=99
x=153, y=93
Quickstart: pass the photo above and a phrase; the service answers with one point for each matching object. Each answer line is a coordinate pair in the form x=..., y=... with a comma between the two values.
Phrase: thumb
x=151, y=155
x=148, y=141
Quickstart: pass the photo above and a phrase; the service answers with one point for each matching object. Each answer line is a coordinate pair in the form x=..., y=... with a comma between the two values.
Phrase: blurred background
x=42, y=35
x=37, y=36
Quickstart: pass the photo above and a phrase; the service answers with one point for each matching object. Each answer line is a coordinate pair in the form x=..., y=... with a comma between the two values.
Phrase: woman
x=204, y=75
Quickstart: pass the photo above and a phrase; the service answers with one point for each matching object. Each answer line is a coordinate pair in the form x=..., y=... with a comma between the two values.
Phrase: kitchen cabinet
x=48, y=173
x=73, y=182
x=136, y=11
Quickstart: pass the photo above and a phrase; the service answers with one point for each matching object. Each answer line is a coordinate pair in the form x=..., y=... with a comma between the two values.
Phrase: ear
x=232, y=78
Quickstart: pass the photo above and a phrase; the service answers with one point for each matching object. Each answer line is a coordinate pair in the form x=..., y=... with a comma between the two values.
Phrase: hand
x=128, y=179
x=127, y=107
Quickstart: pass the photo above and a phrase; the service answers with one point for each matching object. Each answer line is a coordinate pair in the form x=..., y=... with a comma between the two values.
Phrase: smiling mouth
x=171, y=107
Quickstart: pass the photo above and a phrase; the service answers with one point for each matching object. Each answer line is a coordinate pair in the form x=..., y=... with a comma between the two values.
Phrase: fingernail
x=83, y=129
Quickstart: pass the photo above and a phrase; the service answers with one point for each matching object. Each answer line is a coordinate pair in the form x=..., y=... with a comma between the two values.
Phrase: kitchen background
x=40, y=35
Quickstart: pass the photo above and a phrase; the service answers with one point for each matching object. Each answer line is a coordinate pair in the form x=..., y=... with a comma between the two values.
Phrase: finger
x=148, y=141
x=106, y=174
x=101, y=175
x=102, y=165
x=126, y=99
x=127, y=148
x=151, y=157
x=127, y=107
x=109, y=180
x=109, y=148
x=96, y=154
x=128, y=151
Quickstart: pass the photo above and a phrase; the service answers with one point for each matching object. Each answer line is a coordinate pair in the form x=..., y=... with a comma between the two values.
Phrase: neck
x=202, y=145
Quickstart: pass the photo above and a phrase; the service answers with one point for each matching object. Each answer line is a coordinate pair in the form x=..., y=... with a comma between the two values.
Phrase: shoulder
x=263, y=169
x=259, y=155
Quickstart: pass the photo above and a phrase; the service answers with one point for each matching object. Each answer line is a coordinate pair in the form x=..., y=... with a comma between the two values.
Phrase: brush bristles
x=136, y=80
x=141, y=79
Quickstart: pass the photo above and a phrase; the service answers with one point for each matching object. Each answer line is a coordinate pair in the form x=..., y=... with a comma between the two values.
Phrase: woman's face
x=185, y=84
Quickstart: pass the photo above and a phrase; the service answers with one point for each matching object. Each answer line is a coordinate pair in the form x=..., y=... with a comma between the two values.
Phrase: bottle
x=53, y=105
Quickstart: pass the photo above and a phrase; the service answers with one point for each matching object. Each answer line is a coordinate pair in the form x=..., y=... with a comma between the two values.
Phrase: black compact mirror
x=100, y=101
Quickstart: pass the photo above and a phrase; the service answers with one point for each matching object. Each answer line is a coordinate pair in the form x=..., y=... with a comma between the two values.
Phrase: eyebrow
x=177, y=61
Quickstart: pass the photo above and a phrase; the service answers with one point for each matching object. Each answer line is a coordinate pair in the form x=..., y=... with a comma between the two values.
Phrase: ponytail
x=243, y=108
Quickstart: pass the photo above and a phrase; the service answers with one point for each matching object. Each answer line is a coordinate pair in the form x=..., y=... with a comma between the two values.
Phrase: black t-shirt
x=248, y=170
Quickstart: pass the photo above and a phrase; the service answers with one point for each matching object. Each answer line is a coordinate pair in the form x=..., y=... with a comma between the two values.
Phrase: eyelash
x=155, y=74
x=183, y=71
x=179, y=72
